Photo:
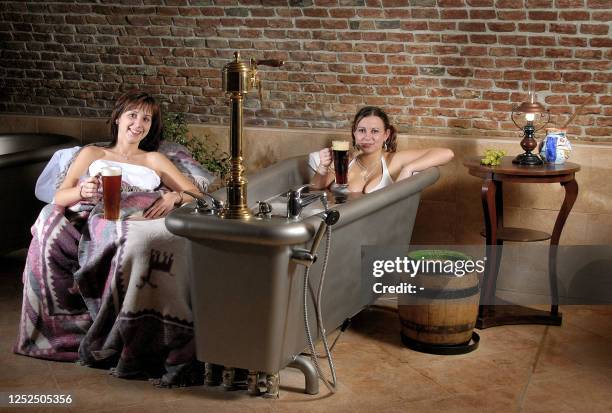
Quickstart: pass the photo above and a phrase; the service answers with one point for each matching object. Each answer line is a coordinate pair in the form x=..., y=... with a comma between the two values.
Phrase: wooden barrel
x=443, y=313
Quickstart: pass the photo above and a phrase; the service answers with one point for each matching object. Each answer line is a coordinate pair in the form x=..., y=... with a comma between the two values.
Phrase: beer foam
x=111, y=171
x=340, y=145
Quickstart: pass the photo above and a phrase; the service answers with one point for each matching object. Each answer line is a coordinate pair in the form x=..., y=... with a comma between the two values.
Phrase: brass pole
x=237, y=207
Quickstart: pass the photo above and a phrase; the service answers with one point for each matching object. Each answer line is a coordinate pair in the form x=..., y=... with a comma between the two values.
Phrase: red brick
x=473, y=51
x=480, y=3
x=555, y=53
x=482, y=14
x=448, y=82
x=572, y=41
x=513, y=39
x=481, y=62
x=477, y=105
x=472, y=27
x=454, y=14
x=425, y=60
x=442, y=50
x=413, y=25
x=483, y=38
x=451, y=103
x=532, y=27
x=576, y=77
x=599, y=131
x=599, y=29
x=480, y=84
x=588, y=54
x=509, y=4
x=543, y=15
x=424, y=121
x=502, y=51
x=460, y=72
x=429, y=13
x=377, y=69
x=531, y=51
x=487, y=74
x=459, y=123
x=454, y=38
x=593, y=88
x=601, y=65
x=543, y=75
x=502, y=63
x=574, y=15
x=451, y=61
x=441, y=26
x=604, y=16
x=487, y=95
x=567, y=65
x=563, y=28
x=541, y=41
x=601, y=42
x=485, y=124
x=501, y=27
x=440, y=92
x=514, y=15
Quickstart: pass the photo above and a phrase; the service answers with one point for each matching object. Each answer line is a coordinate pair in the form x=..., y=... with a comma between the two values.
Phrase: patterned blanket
x=108, y=293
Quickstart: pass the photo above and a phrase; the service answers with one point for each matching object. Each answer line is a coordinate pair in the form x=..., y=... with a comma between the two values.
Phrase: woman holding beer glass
x=110, y=292
x=377, y=163
x=136, y=132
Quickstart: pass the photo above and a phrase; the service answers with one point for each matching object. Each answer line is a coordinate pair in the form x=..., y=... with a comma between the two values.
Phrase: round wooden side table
x=496, y=233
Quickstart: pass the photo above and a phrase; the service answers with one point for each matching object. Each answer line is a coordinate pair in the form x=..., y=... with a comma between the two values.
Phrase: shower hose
x=331, y=385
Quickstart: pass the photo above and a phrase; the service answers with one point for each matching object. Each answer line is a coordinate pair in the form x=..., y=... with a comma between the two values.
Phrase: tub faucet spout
x=203, y=207
x=296, y=202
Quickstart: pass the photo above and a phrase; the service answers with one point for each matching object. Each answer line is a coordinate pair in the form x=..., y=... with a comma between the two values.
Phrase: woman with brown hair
x=377, y=163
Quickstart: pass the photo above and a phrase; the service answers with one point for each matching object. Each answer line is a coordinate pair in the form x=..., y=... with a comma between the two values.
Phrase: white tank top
x=134, y=175
x=385, y=180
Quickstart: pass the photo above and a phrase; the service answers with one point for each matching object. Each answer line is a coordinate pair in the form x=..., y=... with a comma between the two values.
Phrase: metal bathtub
x=247, y=292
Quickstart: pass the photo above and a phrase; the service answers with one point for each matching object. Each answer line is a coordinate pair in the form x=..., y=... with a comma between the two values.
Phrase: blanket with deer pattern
x=107, y=293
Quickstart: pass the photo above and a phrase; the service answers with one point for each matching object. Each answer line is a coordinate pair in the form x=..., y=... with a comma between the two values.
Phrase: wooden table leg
x=571, y=193
x=492, y=206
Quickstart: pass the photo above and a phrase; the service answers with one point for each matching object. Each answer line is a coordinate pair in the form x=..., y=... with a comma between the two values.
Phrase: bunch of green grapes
x=492, y=157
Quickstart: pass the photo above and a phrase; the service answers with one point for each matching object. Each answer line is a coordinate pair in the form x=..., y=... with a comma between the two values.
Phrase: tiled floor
x=516, y=368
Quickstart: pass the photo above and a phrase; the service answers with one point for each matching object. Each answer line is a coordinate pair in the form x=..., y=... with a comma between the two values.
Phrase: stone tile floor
x=516, y=368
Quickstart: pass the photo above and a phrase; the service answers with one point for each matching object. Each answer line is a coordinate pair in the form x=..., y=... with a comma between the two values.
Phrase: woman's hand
x=163, y=205
x=325, y=161
x=89, y=189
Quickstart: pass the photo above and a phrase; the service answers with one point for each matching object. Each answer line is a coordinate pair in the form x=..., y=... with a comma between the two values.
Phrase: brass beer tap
x=238, y=78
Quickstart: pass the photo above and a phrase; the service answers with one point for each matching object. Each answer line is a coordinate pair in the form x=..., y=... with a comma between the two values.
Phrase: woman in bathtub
x=377, y=164
x=114, y=293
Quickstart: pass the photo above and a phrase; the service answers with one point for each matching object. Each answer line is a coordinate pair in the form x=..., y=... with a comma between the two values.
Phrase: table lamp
x=531, y=109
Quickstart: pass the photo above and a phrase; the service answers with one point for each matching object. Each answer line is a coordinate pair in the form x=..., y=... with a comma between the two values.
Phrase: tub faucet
x=202, y=206
x=295, y=201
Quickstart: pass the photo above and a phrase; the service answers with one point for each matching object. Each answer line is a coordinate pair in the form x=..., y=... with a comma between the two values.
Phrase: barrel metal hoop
x=421, y=328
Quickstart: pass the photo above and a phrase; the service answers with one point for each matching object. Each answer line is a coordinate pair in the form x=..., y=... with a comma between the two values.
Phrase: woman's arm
x=323, y=176
x=417, y=160
x=70, y=192
x=173, y=179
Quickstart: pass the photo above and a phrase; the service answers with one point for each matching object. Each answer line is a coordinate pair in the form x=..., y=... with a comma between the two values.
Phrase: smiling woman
x=136, y=132
x=376, y=163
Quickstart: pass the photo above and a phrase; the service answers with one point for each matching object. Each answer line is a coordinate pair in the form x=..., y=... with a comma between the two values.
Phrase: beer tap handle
x=270, y=62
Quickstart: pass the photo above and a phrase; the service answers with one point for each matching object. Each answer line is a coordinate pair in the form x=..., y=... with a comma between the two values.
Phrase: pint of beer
x=340, y=150
x=111, y=190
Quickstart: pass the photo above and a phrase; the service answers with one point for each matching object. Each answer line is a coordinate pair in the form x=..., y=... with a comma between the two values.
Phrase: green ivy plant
x=210, y=156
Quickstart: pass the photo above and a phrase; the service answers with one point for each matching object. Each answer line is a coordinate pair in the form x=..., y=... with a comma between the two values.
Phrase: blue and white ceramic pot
x=555, y=147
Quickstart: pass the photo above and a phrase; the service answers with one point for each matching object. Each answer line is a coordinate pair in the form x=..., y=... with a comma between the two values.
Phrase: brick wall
x=437, y=66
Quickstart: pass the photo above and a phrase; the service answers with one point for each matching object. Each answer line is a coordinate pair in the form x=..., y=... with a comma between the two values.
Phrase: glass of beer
x=340, y=151
x=111, y=191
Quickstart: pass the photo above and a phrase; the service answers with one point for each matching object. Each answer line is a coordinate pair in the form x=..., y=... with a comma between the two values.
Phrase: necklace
x=365, y=171
x=125, y=156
